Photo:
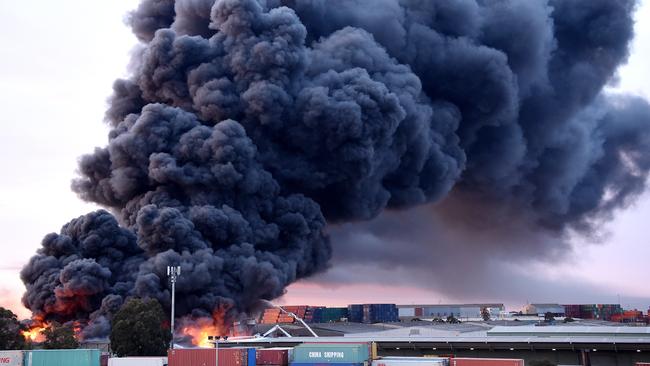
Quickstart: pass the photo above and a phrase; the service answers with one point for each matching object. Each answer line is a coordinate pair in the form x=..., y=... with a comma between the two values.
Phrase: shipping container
x=11, y=358
x=380, y=313
x=65, y=357
x=207, y=357
x=137, y=361
x=485, y=362
x=251, y=357
x=272, y=356
x=411, y=361
x=355, y=313
x=331, y=353
x=325, y=364
x=329, y=315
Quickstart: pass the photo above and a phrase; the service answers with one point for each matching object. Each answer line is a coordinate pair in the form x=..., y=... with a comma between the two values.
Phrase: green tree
x=10, y=330
x=485, y=314
x=140, y=329
x=59, y=336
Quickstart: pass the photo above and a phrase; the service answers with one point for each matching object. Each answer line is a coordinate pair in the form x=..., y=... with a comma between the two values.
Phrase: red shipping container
x=207, y=357
x=643, y=364
x=485, y=362
x=272, y=356
x=418, y=311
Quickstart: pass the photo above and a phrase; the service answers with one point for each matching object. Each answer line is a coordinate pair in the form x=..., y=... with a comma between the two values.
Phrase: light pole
x=173, y=272
x=216, y=347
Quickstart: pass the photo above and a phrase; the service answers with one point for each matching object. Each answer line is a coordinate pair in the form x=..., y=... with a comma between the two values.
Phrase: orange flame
x=199, y=329
x=201, y=333
x=35, y=333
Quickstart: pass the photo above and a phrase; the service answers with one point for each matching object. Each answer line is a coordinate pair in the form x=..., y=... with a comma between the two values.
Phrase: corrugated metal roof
x=458, y=339
x=582, y=331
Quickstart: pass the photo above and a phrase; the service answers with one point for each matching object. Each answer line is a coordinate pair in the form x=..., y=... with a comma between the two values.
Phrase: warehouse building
x=543, y=309
x=442, y=311
x=564, y=345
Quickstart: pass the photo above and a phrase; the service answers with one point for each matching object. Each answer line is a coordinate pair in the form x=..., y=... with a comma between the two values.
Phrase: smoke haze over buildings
x=250, y=130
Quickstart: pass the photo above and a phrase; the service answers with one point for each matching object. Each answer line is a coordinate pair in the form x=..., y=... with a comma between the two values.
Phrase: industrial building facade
x=459, y=311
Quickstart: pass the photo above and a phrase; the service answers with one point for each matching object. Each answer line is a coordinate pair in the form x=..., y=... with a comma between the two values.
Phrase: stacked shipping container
x=380, y=313
x=314, y=314
x=270, y=316
x=373, y=313
x=67, y=357
x=630, y=316
x=299, y=311
x=593, y=311
x=355, y=313
x=362, y=313
x=329, y=315
x=208, y=357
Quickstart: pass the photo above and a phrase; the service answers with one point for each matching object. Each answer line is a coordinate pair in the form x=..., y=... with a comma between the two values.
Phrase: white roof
x=559, y=330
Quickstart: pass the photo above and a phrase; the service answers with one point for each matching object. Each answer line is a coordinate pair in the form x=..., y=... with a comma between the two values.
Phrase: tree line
x=139, y=328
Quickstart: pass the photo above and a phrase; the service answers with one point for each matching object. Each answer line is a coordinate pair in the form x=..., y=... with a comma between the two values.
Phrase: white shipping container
x=137, y=361
x=406, y=311
x=11, y=358
x=411, y=361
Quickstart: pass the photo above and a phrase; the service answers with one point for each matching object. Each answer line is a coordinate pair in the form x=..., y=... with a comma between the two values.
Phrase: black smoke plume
x=248, y=125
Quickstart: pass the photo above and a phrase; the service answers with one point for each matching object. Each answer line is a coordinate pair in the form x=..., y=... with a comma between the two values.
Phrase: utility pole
x=216, y=347
x=173, y=272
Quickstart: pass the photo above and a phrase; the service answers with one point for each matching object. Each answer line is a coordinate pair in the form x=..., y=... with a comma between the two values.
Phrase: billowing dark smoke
x=248, y=124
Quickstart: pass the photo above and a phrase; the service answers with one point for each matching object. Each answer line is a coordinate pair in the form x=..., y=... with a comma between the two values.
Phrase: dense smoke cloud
x=247, y=125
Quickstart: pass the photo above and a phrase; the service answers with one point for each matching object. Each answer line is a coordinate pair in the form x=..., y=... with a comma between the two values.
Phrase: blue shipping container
x=252, y=359
x=64, y=357
x=355, y=313
x=373, y=313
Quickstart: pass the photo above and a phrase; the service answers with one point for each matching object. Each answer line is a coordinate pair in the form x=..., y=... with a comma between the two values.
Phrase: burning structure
x=247, y=126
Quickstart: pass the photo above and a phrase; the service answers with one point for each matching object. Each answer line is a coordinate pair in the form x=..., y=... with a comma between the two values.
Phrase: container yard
x=335, y=351
x=330, y=337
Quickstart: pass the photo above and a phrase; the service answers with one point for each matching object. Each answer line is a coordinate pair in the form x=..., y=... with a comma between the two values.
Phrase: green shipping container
x=331, y=353
x=63, y=357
